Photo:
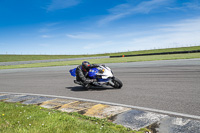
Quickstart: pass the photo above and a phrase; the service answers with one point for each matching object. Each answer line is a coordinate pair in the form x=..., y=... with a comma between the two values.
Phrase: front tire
x=117, y=83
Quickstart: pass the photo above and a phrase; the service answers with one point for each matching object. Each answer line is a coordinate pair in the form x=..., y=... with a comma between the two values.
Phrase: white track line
x=115, y=104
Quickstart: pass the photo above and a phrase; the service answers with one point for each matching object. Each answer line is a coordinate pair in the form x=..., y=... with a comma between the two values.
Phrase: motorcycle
x=103, y=75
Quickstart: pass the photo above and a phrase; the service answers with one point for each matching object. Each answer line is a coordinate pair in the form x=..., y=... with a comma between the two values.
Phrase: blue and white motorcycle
x=104, y=76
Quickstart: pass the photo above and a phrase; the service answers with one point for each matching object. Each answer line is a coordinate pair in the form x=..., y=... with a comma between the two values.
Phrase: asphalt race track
x=164, y=85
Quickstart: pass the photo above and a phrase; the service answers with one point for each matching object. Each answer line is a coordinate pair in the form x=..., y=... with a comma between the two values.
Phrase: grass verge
x=109, y=60
x=16, y=117
x=158, y=51
x=10, y=58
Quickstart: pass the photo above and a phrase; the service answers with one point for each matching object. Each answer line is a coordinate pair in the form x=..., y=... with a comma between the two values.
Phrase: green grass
x=19, y=118
x=10, y=58
x=158, y=51
x=109, y=60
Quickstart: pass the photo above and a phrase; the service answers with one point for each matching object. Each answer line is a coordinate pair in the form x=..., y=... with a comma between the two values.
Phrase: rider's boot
x=78, y=82
x=87, y=86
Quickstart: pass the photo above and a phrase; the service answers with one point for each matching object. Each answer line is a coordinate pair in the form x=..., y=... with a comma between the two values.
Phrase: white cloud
x=194, y=4
x=46, y=36
x=49, y=27
x=44, y=30
x=84, y=36
x=53, y=24
x=180, y=34
x=124, y=10
x=61, y=4
x=189, y=25
x=191, y=5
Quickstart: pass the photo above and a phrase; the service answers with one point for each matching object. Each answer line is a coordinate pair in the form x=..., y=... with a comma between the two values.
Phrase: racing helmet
x=85, y=65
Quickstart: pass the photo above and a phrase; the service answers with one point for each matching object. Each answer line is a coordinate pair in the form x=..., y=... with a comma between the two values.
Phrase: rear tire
x=117, y=83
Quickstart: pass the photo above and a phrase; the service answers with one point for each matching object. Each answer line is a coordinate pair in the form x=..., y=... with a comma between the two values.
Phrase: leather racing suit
x=82, y=74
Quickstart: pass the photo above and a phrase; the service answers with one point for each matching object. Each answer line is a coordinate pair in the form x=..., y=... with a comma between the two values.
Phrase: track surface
x=165, y=85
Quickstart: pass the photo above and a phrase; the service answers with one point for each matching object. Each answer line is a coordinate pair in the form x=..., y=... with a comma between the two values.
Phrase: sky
x=97, y=26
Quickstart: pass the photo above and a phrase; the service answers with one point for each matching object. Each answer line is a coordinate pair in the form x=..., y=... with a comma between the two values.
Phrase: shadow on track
x=80, y=88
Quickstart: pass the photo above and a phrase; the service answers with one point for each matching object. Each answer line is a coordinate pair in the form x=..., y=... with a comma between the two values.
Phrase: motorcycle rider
x=82, y=74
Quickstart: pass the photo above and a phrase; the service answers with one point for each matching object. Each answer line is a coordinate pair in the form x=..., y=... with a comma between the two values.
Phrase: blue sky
x=97, y=26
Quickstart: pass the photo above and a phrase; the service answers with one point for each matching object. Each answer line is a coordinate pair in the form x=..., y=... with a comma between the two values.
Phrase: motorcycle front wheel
x=117, y=83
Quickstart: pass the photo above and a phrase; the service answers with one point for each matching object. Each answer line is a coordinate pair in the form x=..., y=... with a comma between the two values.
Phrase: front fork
x=111, y=82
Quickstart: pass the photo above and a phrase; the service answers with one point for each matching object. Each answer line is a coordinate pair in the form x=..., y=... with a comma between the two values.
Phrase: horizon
x=79, y=27
x=104, y=53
